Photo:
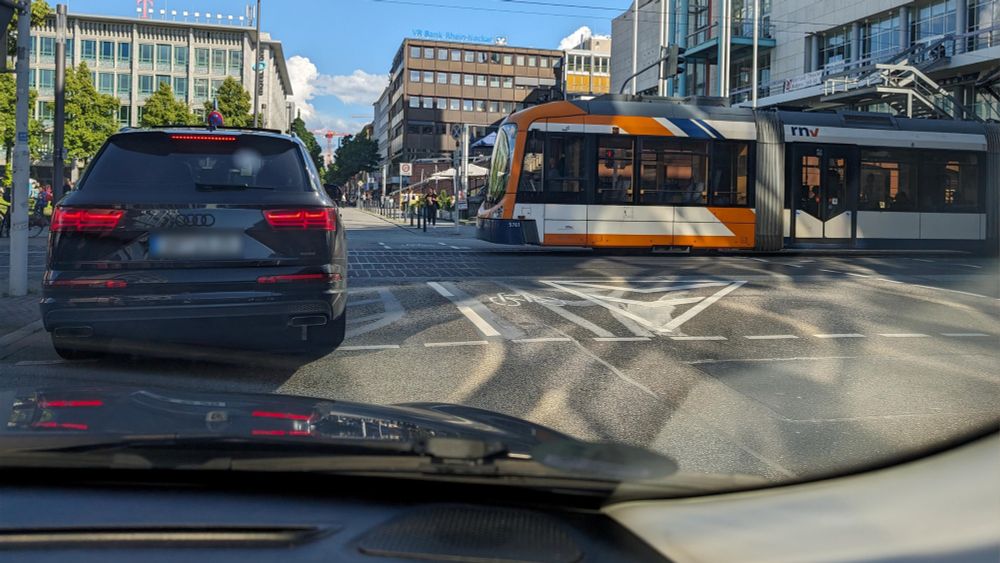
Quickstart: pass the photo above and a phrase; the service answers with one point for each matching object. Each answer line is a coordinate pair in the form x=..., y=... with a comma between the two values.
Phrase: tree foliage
x=356, y=154
x=8, y=110
x=234, y=103
x=91, y=117
x=163, y=108
x=315, y=150
x=40, y=10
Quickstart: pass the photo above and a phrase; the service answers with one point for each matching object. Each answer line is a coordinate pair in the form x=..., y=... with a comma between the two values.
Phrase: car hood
x=131, y=411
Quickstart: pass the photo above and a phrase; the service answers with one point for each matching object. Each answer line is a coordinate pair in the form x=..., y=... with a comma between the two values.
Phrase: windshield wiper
x=228, y=187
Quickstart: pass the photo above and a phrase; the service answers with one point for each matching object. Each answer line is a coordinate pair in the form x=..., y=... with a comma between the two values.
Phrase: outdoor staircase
x=901, y=82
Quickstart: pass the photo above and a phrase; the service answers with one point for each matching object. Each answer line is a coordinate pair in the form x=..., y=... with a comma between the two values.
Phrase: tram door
x=825, y=201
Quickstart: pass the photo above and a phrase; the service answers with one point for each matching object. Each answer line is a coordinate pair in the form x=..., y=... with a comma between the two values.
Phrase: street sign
x=405, y=169
x=456, y=131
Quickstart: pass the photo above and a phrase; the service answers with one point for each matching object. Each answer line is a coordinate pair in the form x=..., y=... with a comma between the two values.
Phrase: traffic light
x=672, y=61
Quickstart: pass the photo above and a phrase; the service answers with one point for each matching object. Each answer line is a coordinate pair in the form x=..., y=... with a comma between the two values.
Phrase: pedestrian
x=67, y=186
x=432, y=207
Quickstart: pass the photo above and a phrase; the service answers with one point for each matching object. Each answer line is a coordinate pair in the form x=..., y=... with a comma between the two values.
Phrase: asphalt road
x=782, y=366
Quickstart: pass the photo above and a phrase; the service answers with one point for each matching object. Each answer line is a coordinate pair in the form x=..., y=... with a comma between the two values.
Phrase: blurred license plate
x=198, y=246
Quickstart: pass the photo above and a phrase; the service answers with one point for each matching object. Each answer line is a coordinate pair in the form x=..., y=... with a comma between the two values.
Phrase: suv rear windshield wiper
x=229, y=187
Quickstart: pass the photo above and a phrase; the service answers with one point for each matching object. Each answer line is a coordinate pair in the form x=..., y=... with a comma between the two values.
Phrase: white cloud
x=357, y=88
x=574, y=39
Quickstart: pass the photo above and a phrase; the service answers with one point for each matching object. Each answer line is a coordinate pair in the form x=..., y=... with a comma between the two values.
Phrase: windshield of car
x=595, y=241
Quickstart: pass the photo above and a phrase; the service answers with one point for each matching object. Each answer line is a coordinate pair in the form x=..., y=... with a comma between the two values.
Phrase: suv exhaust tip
x=311, y=320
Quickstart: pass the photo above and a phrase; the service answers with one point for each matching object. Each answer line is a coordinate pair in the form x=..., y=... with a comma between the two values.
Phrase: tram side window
x=886, y=181
x=730, y=174
x=673, y=171
x=564, y=172
x=949, y=183
x=531, y=166
x=614, y=169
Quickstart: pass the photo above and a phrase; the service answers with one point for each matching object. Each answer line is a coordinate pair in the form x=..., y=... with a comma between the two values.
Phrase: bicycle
x=38, y=221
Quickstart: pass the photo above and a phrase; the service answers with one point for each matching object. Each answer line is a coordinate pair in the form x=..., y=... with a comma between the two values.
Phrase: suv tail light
x=302, y=219
x=71, y=219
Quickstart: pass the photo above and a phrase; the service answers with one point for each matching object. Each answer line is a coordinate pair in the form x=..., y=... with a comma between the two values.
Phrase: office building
x=824, y=54
x=436, y=85
x=130, y=57
x=587, y=68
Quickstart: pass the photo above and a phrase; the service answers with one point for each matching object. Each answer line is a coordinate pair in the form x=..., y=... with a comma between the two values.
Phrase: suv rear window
x=160, y=162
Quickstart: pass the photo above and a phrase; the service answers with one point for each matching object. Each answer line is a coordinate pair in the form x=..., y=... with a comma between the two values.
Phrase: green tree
x=356, y=154
x=163, y=108
x=91, y=117
x=8, y=105
x=40, y=11
x=315, y=150
x=234, y=103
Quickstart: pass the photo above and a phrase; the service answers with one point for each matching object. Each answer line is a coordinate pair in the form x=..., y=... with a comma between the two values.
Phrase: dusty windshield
x=695, y=272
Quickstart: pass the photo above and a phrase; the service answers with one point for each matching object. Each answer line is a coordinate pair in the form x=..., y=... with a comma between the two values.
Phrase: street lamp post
x=18, y=280
x=256, y=70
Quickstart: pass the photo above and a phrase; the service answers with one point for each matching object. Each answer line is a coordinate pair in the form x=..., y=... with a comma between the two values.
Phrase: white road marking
x=385, y=246
x=575, y=319
x=393, y=313
x=369, y=347
x=759, y=260
x=791, y=359
x=534, y=340
x=953, y=291
x=693, y=338
x=793, y=265
x=771, y=337
x=42, y=362
x=923, y=260
x=970, y=266
x=440, y=289
x=964, y=334
x=483, y=326
x=621, y=339
x=857, y=275
x=890, y=281
x=442, y=244
x=690, y=313
x=903, y=335
x=447, y=344
x=456, y=247
x=830, y=271
x=844, y=335
x=23, y=332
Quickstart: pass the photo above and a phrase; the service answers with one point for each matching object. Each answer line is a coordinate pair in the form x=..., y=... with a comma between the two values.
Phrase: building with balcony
x=436, y=85
x=130, y=57
x=587, y=68
x=930, y=58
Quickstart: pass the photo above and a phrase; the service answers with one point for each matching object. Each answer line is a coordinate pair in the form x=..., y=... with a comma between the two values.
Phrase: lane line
x=970, y=266
x=23, y=332
x=393, y=312
x=690, y=313
x=793, y=265
x=903, y=335
x=790, y=359
x=621, y=339
x=857, y=275
x=369, y=347
x=385, y=246
x=483, y=326
x=830, y=271
x=441, y=289
x=772, y=337
x=964, y=334
x=760, y=260
x=534, y=340
x=694, y=338
x=923, y=260
x=890, y=281
x=448, y=344
x=844, y=335
x=953, y=291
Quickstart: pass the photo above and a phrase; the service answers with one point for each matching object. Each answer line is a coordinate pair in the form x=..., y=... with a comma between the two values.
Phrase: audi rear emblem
x=194, y=220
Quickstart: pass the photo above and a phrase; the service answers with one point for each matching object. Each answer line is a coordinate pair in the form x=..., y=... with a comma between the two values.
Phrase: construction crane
x=329, y=135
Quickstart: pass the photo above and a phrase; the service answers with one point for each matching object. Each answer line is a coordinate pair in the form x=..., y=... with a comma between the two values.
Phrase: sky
x=339, y=52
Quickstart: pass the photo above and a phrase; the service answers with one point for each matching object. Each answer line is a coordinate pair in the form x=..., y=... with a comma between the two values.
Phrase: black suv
x=220, y=237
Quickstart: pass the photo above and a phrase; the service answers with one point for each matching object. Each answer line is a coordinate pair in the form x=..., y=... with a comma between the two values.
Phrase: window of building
x=69, y=50
x=520, y=60
x=162, y=79
x=543, y=62
x=163, y=53
x=145, y=84
x=506, y=107
x=429, y=53
x=456, y=79
x=469, y=57
x=442, y=78
x=441, y=103
x=46, y=79
x=494, y=81
x=532, y=61
x=201, y=88
x=456, y=55
x=218, y=61
x=466, y=105
x=140, y=111
x=180, y=57
x=414, y=101
x=107, y=51
x=201, y=59
x=124, y=115
x=482, y=56
x=428, y=102
x=493, y=107
x=495, y=58
x=508, y=82
x=933, y=19
x=88, y=50
x=468, y=80
x=414, y=52
x=835, y=47
x=880, y=37
x=984, y=14
x=442, y=54
x=481, y=80
x=31, y=79
x=454, y=104
x=124, y=85
x=235, y=62
x=124, y=53
x=46, y=110
x=414, y=76
x=602, y=65
x=106, y=83
x=428, y=77
x=480, y=105
x=47, y=46
x=180, y=87
x=215, y=85
x=673, y=172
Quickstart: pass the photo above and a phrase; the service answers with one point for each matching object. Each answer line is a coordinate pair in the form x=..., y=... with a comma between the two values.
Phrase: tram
x=624, y=171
